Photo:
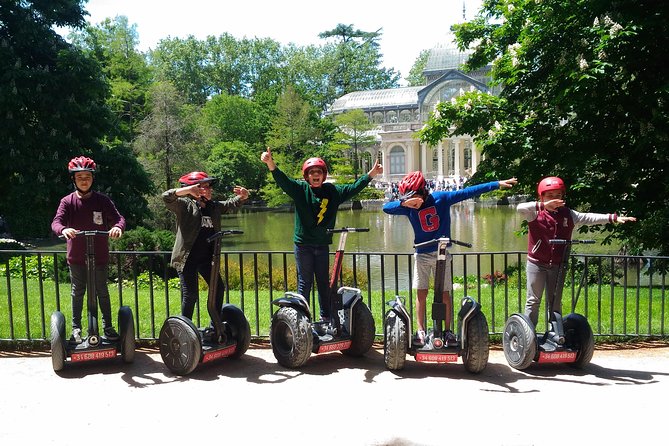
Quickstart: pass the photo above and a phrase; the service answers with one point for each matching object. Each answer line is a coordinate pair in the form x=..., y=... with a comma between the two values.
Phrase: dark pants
x=314, y=260
x=79, y=279
x=189, y=286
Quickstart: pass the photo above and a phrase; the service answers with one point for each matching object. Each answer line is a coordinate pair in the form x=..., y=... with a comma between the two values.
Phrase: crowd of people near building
x=452, y=183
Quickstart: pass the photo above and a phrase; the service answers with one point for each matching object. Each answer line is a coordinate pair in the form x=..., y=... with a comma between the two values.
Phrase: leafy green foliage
x=584, y=98
x=236, y=164
x=415, y=77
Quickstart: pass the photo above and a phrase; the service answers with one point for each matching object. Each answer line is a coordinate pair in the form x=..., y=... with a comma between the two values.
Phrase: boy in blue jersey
x=429, y=215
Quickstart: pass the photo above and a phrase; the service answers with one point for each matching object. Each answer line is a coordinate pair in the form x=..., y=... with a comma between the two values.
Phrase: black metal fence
x=622, y=296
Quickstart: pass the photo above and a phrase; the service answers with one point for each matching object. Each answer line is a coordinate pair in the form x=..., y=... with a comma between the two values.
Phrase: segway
x=183, y=346
x=93, y=347
x=471, y=334
x=351, y=330
x=566, y=340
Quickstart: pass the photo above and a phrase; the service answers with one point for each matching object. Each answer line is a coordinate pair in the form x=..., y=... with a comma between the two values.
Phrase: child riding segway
x=350, y=328
x=566, y=340
x=183, y=346
x=86, y=218
x=550, y=224
x=471, y=337
x=94, y=346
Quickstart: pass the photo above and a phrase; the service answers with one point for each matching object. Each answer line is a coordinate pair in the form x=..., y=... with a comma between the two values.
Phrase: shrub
x=10, y=245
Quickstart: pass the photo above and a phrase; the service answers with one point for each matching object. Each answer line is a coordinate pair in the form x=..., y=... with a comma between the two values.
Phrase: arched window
x=405, y=116
x=397, y=161
x=377, y=118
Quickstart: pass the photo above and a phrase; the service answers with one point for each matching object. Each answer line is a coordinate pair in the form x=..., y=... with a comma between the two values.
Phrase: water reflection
x=488, y=228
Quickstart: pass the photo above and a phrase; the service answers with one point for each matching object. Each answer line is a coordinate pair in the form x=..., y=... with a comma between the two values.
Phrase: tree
x=357, y=59
x=164, y=136
x=353, y=132
x=53, y=102
x=236, y=164
x=585, y=98
x=415, y=77
x=233, y=118
x=294, y=127
x=113, y=43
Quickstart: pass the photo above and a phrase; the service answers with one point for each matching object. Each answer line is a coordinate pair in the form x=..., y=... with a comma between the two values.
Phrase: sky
x=407, y=28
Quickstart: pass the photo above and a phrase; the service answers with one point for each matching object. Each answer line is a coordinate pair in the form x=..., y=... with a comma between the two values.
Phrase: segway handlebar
x=334, y=231
x=221, y=233
x=449, y=242
x=560, y=241
x=92, y=232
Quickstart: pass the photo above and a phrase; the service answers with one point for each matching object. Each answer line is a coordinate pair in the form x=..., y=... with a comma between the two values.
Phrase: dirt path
x=619, y=399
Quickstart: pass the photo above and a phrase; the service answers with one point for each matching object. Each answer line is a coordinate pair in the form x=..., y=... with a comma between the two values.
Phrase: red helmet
x=314, y=162
x=412, y=182
x=196, y=178
x=550, y=183
x=81, y=164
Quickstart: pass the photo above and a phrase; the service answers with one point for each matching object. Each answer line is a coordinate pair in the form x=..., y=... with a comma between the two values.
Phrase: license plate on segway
x=557, y=357
x=219, y=353
x=93, y=355
x=436, y=357
x=334, y=346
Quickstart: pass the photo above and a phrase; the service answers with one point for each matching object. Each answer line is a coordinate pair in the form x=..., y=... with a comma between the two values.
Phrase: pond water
x=488, y=228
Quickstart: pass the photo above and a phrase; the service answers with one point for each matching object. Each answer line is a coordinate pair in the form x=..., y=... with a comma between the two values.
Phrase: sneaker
x=449, y=339
x=76, y=335
x=420, y=337
x=111, y=334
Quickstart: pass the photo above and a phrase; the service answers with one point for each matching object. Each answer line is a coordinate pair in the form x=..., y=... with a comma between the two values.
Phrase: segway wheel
x=364, y=330
x=235, y=319
x=180, y=345
x=58, y=353
x=127, y=328
x=578, y=336
x=291, y=337
x=519, y=341
x=395, y=345
x=476, y=350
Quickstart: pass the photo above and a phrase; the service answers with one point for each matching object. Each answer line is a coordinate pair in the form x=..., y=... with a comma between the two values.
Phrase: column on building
x=457, y=162
x=475, y=157
x=423, y=158
x=440, y=160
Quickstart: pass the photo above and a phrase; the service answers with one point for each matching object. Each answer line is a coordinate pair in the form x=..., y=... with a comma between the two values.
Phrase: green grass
x=628, y=312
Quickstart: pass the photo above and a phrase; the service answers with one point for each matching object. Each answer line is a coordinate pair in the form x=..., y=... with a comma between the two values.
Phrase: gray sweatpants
x=540, y=277
x=79, y=278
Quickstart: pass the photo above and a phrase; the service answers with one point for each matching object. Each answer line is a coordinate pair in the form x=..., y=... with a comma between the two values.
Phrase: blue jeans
x=314, y=260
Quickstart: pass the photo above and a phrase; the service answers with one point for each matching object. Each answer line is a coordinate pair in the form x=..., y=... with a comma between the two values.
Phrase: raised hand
x=266, y=158
x=376, y=169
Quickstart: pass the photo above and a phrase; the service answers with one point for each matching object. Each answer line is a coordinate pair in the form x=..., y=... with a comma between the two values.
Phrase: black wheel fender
x=578, y=335
x=239, y=328
x=180, y=345
x=127, y=327
x=291, y=336
x=519, y=341
x=477, y=343
x=395, y=340
x=58, y=347
x=363, y=329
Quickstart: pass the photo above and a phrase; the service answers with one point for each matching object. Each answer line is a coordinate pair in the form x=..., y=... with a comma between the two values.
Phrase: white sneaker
x=420, y=337
x=450, y=339
x=76, y=335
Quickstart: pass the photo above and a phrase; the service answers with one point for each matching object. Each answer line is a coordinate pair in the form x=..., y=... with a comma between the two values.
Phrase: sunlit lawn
x=624, y=313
